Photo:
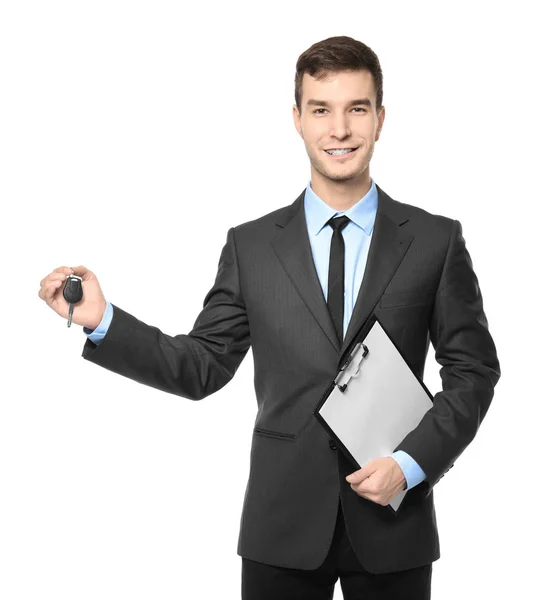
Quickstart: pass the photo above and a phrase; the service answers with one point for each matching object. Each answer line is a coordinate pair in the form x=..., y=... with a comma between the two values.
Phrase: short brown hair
x=339, y=53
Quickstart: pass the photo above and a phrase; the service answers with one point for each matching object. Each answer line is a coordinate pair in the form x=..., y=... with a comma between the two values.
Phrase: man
x=296, y=285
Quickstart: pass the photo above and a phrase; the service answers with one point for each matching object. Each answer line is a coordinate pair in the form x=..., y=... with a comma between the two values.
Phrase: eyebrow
x=364, y=101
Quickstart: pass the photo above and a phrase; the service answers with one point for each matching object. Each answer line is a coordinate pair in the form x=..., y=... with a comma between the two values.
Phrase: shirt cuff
x=98, y=334
x=413, y=473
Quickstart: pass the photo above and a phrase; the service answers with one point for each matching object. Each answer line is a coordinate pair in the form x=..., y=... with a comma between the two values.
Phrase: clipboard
x=374, y=400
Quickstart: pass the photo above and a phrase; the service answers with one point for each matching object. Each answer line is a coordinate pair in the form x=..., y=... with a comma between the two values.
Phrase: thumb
x=82, y=271
x=362, y=473
x=357, y=476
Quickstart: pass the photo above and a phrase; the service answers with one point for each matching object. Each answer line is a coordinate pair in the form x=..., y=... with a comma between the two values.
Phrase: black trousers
x=267, y=582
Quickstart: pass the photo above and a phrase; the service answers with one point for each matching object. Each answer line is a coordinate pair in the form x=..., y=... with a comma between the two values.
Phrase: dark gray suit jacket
x=420, y=282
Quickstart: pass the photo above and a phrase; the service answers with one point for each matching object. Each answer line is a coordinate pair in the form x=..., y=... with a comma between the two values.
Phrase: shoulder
x=419, y=220
x=269, y=218
x=263, y=228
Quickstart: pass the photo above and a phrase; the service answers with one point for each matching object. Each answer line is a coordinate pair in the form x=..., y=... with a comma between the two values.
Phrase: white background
x=133, y=135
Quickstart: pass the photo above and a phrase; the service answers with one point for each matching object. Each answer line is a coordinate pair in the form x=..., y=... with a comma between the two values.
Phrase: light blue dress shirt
x=357, y=238
x=98, y=334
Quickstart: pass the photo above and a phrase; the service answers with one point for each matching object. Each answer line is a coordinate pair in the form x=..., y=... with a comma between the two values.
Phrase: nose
x=340, y=127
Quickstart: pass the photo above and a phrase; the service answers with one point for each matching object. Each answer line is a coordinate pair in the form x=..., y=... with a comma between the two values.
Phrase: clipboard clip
x=351, y=369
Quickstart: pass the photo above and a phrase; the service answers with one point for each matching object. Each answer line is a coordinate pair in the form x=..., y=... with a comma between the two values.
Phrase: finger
x=49, y=280
x=60, y=270
x=82, y=271
x=373, y=498
x=44, y=290
x=50, y=290
x=50, y=286
x=65, y=270
x=358, y=488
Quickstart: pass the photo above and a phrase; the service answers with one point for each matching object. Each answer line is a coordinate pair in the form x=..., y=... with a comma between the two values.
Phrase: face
x=332, y=117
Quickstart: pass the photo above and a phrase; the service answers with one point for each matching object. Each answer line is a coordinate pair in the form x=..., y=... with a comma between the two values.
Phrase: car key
x=72, y=292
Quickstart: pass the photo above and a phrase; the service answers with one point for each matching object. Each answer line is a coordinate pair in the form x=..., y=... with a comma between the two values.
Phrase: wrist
x=98, y=318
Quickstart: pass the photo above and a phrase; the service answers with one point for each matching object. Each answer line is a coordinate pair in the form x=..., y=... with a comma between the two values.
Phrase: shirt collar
x=318, y=212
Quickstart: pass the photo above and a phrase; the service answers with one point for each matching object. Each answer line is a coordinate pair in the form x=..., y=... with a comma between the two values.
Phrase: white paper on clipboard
x=376, y=401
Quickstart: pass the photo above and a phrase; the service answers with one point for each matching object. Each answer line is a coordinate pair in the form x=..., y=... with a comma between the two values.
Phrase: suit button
x=332, y=444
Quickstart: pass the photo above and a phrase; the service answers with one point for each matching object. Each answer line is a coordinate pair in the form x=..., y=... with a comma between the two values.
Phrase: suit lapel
x=293, y=249
x=389, y=244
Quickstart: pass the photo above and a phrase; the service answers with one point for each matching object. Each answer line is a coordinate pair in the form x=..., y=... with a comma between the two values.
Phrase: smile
x=344, y=153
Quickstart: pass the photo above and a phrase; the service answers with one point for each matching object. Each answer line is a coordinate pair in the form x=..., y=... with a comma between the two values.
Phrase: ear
x=380, y=121
x=296, y=118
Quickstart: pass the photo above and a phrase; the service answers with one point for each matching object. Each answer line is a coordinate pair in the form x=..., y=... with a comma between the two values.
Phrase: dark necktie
x=335, y=286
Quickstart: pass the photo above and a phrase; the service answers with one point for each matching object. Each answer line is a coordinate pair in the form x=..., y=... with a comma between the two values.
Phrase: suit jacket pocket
x=408, y=298
x=275, y=434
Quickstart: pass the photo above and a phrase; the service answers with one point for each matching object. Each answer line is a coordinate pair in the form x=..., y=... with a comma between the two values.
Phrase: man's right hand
x=88, y=312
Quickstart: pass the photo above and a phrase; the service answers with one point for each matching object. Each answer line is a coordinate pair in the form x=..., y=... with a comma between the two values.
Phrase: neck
x=341, y=195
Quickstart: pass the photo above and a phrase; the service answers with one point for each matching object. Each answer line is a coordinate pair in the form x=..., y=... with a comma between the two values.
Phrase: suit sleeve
x=469, y=371
x=192, y=365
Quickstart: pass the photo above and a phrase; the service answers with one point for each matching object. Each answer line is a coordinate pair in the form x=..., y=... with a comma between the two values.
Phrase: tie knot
x=338, y=223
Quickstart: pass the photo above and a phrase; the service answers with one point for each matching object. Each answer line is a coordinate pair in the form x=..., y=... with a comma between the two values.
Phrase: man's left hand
x=379, y=480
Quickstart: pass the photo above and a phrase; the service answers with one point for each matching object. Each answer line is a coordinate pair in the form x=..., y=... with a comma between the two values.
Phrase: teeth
x=339, y=152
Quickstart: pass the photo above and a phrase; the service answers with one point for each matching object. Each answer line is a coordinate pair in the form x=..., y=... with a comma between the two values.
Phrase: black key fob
x=72, y=291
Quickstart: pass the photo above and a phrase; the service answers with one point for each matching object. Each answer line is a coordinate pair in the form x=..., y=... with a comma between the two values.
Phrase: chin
x=345, y=177
x=340, y=176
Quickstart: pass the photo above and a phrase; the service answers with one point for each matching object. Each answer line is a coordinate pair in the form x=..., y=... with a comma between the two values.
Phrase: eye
x=316, y=111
